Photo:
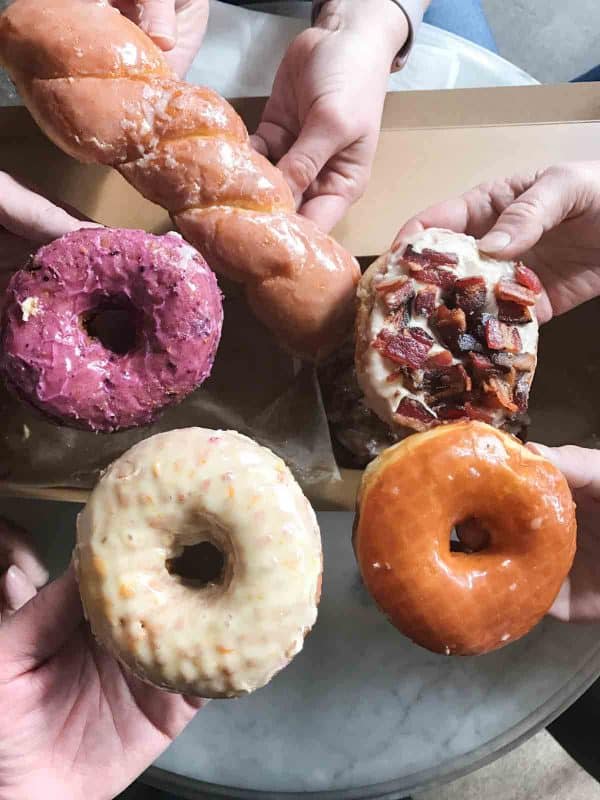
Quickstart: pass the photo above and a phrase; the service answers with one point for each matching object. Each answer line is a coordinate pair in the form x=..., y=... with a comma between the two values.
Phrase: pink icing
x=50, y=360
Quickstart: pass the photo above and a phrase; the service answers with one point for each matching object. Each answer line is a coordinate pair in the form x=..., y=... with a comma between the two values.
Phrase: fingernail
x=165, y=40
x=539, y=450
x=36, y=571
x=495, y=241
x=18, y=589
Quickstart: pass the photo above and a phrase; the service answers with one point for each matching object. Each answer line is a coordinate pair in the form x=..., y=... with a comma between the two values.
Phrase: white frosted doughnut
x=175, y=490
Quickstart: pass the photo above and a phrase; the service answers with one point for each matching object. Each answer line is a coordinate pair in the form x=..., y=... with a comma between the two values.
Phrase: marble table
x=361, y=712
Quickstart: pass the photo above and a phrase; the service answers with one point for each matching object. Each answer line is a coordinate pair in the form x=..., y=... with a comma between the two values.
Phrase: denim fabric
x=466, y=18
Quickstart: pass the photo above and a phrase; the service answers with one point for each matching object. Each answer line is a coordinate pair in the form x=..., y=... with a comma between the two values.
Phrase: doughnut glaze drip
x=177, y=489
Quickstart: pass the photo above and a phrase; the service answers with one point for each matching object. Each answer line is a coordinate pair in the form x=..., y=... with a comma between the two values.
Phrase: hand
x=321, y=123
x=579, y=598
x=176, y=26
x=75, y=724
x=550, y=219
x=28, y=220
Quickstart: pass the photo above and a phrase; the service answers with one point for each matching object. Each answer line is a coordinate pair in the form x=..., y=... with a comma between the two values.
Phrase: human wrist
x=383, y=21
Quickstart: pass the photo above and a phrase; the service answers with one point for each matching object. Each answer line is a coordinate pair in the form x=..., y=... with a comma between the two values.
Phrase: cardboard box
x=433, y=145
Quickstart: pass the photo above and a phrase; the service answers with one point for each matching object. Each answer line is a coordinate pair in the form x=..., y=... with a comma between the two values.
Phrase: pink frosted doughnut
x=104, y=328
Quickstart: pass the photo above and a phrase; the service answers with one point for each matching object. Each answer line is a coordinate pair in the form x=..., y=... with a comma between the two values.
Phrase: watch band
x=413, y=11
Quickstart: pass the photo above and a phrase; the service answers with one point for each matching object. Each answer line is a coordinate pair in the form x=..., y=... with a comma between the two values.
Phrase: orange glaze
x=417, y=491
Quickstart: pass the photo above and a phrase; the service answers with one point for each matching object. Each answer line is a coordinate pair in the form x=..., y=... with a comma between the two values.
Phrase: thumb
x=579, y=465
x=157, y=19
x=521, y=225
x=40, y=628
x=315, y=145
x=31, y=216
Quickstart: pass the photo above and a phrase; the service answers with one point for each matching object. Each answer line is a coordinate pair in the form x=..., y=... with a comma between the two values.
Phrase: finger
x=157, y=19
x=15, y=591
x=325, y=211
x=579, y=465
x=40, y=628
x=561, y=607
x=315, y=145
x=16, y=547
x=537, y=210
x=30, y=216
x=272, y=141
x=452, y=215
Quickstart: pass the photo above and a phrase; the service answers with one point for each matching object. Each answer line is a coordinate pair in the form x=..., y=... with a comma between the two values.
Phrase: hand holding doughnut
x=220, y=634
x=103, y=92
x=549, y=218
x=105, y=328
x=411, y=497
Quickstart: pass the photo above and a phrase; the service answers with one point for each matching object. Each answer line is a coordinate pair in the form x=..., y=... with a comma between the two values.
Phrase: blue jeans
x=592, y=75
x=466, y=18
x=463, y=17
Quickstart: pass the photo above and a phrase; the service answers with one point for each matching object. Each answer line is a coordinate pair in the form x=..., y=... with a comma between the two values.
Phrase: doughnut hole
x=201, y=564
x=469, y=536
x=115, y=322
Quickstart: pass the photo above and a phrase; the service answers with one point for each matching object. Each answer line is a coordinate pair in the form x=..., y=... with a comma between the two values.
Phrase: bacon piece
x=449, y=324
x=481, y=367
x=413, y=414
x=514, y=293
x=521, y=391
x=498, y=395
x=470, y=294
x=429, y=258
x=499, y=336
x=399, y=319
x=449, y=411
x=426, y=300
x=441, y=359
x=527, y=277
x=397, y=292
x=513, y=313
x=478, y=412
x=518, y=361
x=408, y=347
x=446, y=381
x=444, y=278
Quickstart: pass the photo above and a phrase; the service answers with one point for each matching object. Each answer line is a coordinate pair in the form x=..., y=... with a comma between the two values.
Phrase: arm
x=321, y=124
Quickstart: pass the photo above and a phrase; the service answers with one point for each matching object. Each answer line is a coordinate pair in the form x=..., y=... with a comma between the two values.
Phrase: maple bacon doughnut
x=445, y=332
x=517, y=505
x=199, y=562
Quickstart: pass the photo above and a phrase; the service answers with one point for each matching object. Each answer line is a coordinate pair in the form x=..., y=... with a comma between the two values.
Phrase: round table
x=361, y=712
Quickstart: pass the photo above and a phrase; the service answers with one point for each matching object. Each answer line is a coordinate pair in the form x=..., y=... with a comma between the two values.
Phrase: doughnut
x=518, y=545
x=445, y=333
x=105, y=328
x=220, y=500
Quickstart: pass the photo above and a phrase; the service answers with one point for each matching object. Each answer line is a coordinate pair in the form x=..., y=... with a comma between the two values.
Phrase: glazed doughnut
x=518, y=505
x=220, y=638
x=154, y=298
x=444, y=332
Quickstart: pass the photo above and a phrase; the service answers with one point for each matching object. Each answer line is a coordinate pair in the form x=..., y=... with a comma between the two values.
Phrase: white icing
x=384, y=395
x=181, y=488
x=30, y=307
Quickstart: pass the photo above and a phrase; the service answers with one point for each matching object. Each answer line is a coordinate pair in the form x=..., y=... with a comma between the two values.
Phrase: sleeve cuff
x=413, y=11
